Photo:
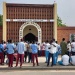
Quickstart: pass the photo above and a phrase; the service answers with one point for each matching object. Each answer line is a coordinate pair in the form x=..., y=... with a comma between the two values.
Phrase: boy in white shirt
x=72, y=60
x=52, y=51
x=73, y=47
x=64, y=60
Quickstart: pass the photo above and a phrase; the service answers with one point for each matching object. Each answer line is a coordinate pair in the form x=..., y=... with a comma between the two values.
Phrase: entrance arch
x=31, y=24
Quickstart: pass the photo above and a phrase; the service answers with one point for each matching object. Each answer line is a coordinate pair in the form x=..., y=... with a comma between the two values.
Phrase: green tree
x=1, y=19
x=59, y=22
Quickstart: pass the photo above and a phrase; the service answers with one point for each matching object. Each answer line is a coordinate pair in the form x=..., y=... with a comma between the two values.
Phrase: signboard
x=32, y=20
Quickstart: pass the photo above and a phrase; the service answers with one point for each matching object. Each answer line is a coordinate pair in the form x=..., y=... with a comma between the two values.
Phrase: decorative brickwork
x=18, y=14
x=61, y=32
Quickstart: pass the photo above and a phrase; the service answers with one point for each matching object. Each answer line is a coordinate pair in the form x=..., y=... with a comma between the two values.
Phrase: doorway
x=30, y=37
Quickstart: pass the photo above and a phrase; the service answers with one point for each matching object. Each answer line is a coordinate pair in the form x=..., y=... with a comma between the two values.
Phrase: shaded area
x=30, y=37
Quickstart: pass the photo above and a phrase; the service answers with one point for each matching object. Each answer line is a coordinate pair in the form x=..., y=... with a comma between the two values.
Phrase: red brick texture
x=64, y=32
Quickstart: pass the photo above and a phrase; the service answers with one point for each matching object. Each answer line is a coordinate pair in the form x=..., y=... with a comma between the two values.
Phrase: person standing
x=20, y=49
x=63, y=46
x=52, y=51
x=47, y=45
x=73, y=47
x=56, y=53
x=39, y=49
x=10, y=50
x=4, y=45
x=30, y=52
x=43, y=49
x=26, y=51
x=34, y=48
x=1, y=54
x=68, y=48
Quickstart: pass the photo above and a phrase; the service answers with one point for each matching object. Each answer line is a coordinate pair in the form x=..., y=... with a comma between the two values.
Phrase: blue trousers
x=49, y=56
x=55, y=57
x=46, y=55
x=60, y=63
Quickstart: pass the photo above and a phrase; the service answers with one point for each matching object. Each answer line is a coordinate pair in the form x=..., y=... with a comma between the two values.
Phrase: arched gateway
x=31, y=24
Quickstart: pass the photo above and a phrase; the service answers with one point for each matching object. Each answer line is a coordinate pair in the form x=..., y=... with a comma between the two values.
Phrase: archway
x=31, y=24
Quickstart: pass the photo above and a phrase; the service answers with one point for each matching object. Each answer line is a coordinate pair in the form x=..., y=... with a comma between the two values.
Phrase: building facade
x=29, y=21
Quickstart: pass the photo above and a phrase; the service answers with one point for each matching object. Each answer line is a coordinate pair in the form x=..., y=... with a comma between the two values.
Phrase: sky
x=65, y=8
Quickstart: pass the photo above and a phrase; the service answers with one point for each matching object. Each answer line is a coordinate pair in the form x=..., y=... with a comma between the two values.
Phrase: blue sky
x=65, y=8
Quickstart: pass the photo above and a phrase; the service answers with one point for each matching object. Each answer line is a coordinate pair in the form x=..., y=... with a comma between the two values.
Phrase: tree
x=59, y=22
x=1, y=19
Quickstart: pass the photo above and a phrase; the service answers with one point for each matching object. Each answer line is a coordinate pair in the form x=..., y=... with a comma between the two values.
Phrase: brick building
x=61, y=32
x=29, y=21
x=32, y=21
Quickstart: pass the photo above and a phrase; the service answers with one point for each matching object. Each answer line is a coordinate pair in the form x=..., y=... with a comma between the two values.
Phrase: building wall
x=29, y=11
x=1, y=33
x=33, y=30
x=64, y=32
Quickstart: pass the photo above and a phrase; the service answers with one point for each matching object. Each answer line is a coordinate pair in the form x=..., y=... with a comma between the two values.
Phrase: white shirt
x=30, y=50
x=39, y=48
x=21, y=47
x=26, y=44
x=57, y=47
x=73, y=60
x=65, y=59
x=69, y=47
x=73, y=46
x=47, y=46
x=53, y=48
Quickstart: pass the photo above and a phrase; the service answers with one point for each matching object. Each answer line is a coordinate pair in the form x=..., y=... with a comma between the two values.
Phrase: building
x=62, y=32
x=29, y=21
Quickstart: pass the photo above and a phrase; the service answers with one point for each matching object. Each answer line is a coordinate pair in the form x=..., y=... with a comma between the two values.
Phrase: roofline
x=28, y=5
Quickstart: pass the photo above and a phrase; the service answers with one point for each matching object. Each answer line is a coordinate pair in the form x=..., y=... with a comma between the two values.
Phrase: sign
x=32, y=20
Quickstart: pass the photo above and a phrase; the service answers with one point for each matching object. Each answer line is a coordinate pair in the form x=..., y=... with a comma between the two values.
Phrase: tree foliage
x=1, y=19
x=59, y=22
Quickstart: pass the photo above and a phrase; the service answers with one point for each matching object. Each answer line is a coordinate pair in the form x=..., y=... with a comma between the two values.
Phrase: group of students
x=51, y=51
x=67, y=52
x=21, y=49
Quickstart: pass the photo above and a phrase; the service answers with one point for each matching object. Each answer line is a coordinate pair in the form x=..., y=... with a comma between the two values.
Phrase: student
x=72, y=59
x=73, y=47
x=64, y=60
x=1, y=54
x=26, y=51
x=29, y=52
x=56, y=54
x=39, y=49
x=68, y=48
x=20, y=49
x=52, y=51
x=47, y=45
x=10, y=50
x=63, y=46
x=34, y=48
